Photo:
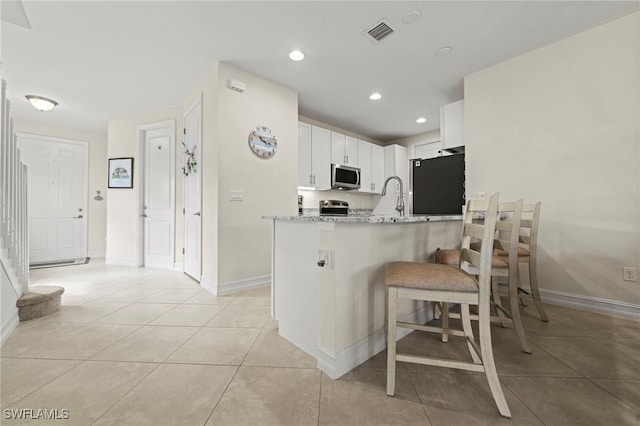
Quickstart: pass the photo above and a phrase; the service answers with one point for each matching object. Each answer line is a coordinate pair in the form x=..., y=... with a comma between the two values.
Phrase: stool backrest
x=480, y=224
x=508, y=230
x=528, y=237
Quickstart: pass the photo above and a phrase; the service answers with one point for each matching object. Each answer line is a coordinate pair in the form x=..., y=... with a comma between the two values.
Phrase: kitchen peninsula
x=328, y=290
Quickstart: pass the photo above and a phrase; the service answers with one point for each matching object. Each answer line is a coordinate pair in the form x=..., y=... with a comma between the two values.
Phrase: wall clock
x=262, y=142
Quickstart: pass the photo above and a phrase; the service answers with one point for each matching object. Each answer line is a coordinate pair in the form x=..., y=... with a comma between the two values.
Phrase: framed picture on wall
x=121, y=172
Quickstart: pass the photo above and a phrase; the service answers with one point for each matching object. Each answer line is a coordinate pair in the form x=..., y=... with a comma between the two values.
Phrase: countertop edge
x=364, y=219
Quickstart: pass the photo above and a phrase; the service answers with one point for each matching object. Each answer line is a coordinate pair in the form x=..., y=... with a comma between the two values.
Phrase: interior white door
x=57, y=178
x=193, y=194
x=158, y=203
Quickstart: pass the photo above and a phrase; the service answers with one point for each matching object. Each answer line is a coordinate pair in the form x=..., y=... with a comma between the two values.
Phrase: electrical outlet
x=630, y=274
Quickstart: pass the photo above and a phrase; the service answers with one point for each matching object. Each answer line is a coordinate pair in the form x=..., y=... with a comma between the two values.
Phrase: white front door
x=192, y=193
x=158, y=200
x=57, y=171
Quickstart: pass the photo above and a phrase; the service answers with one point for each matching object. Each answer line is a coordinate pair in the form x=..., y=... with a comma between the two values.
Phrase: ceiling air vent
x=379, y=31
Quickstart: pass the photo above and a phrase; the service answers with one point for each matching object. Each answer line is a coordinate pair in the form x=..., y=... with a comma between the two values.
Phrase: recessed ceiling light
x=411, y=16
x=421, y=120
x=444, y=50
x=296, y=55
x=41, y=103
x=375, y=96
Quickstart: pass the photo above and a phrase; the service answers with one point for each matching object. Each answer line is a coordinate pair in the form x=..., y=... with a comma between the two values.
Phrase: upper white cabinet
x=377, y=168
x=451, y=124
x=314, y=157
x=371, y=163
x=344, y=150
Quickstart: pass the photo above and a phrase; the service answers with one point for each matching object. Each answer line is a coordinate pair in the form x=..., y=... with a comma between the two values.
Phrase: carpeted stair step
x=39, y=301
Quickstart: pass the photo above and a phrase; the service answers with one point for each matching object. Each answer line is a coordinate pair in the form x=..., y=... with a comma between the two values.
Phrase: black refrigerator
x=437, y=185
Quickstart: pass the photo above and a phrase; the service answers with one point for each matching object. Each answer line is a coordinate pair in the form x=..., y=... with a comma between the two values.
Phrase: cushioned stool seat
x=429, y=276
x=452, y=257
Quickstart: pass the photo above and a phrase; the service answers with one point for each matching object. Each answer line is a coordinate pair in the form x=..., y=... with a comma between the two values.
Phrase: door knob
x=196, y=214
x=78, y=217
x=144, y=215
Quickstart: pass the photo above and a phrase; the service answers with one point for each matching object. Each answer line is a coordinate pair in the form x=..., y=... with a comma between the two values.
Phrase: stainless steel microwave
x=344, y=177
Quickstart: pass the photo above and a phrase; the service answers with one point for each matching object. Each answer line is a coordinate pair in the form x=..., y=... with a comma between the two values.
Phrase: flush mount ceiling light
x=375, y=96
x=421, y=120
x=444, y=51
x=40, y=103
x=296, y=55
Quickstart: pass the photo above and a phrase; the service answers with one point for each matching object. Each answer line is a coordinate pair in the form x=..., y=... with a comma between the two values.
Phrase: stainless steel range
x=334, y=208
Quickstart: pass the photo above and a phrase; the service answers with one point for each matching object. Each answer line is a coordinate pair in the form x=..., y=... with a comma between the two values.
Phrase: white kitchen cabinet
x=396, y=163
x=314, y=157
x=366, y=168
x=377, y=168
x=371, y=163
x=451, y=124
x=344, y=149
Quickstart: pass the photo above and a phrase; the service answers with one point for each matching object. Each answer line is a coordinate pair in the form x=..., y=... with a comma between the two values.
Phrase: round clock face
x=262, y=142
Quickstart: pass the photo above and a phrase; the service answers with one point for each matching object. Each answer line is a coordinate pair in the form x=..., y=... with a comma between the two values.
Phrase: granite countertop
x=364, y=218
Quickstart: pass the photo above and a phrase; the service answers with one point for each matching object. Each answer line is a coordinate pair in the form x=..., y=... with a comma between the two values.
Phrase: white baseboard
x=96, y=254
x=121, y=261
x=178, y=267
x=210, y=287
x=8, y=328
x=245, y=284
x=347, y=359
x=230, y=287
x=591, y=304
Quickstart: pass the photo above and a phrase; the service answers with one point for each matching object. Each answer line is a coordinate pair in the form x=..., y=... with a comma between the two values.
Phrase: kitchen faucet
x=400, y=203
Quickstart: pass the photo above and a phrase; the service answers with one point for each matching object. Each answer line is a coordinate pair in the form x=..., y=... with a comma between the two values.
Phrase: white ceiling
x=107, y=59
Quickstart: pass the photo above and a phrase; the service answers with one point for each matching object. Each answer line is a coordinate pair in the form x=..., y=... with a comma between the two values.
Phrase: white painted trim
x=97, y=254
x=210, y=287
x=119, y=261
x=9, y=327
x=336, y=365
x=245, y=284
x=591, y=304
x=177, y=267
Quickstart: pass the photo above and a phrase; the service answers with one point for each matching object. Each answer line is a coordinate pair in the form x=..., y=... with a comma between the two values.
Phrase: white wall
x=269, y=186
x=122, y=207
x=97, y=176
x=560, y=124
x=8, y=309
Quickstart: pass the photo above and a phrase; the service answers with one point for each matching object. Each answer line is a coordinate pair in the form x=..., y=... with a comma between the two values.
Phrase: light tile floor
x=137, y=346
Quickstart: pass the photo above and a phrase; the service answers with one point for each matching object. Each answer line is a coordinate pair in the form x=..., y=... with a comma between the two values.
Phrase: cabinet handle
x=310, y=178
x=314, y=179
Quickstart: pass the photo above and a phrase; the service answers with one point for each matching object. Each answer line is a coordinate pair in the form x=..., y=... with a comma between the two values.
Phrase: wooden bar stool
x=502, y=268
x=528, y=253
x=451, y=284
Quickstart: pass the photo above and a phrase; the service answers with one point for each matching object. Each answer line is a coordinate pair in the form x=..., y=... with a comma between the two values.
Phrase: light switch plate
x=236, y=195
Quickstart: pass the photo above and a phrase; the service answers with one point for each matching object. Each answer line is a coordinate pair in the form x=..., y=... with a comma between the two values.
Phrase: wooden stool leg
x=468, y=332
x=489, y=363
x=514, y=283
x=391, y=341
x=533, y=282
x=444, y=314
x=495, y=290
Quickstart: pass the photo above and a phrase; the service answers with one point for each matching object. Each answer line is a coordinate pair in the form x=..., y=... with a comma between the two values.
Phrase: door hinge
x=184, y=130
x=183, y=210
x=182, y=250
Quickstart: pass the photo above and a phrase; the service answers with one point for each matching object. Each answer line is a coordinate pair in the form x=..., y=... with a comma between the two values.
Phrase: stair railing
x=14, y=236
